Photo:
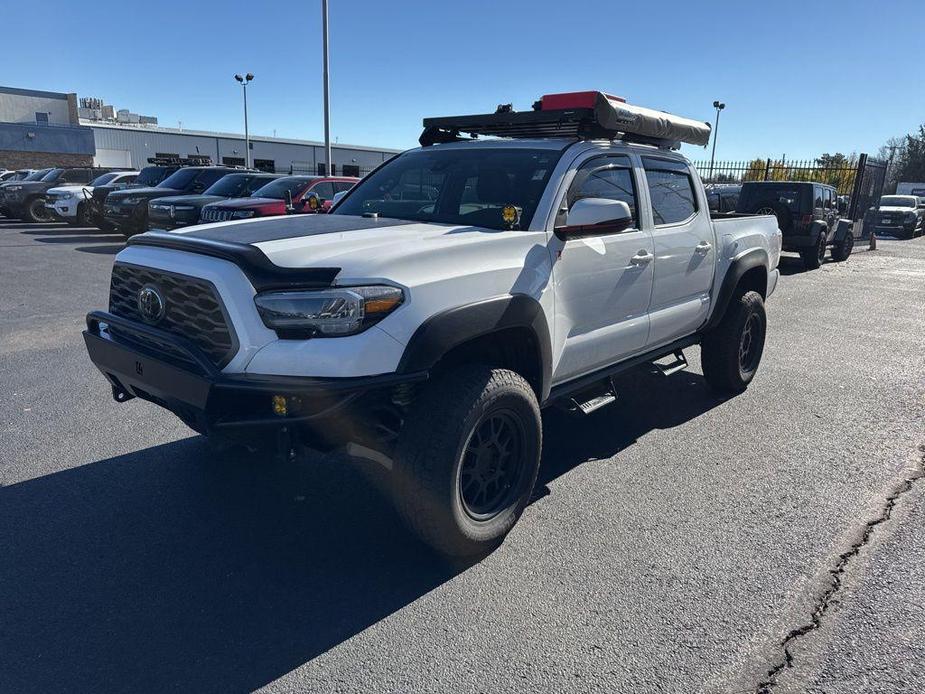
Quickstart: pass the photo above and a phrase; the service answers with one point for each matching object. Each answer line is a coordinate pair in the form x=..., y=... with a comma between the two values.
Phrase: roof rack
x=583, y=115
x=192, y=160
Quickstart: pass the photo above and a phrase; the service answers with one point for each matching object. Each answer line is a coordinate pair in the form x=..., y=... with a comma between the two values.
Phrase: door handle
x=642, y=258
x=703, y=247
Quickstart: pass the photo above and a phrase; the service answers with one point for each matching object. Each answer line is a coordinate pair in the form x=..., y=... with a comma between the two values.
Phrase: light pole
x=327, y=111
x=719, y=106
x=247, y=139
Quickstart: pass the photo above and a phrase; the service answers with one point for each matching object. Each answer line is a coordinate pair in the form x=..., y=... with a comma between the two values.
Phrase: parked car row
x=168, y=194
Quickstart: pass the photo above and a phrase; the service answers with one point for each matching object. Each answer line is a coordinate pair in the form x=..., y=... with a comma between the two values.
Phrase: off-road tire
x=436, y=439
x=841, y=251
x=721, y=348
x=35, y=211
x=813, y=256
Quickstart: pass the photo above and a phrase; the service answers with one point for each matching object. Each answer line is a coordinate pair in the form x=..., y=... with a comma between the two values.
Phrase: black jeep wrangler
x=808, y=215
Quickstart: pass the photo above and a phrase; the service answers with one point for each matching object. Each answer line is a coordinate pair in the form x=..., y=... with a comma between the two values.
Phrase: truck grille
x=215, y=215
x=193, y=308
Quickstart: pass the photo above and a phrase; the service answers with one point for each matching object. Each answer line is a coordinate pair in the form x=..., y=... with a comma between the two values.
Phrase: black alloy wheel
x=493, y=464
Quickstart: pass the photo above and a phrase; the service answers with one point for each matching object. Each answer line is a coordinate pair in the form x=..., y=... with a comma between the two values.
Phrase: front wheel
x=467, y=459
x=37, y=212
x=731, y=352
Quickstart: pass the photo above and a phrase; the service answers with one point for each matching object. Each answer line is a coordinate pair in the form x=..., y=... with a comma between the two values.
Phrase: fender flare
x=819, y=228
x=455, y=326
x=756, y=257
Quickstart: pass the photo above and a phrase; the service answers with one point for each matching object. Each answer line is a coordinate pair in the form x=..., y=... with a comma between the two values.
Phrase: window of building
x=233, y=161
x=166, y=155
x=268, y=165
x=41, y=117
x=351, y=170
x=322, y=169
x=671, y=189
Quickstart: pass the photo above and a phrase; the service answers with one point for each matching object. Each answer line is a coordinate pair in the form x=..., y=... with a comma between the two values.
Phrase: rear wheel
x=36, y=211
x=841, y=251
x=467, y=459
x=814, y=255
x=731, y=352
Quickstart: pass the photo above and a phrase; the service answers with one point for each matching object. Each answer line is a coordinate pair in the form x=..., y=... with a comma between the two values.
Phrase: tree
x=905, y=157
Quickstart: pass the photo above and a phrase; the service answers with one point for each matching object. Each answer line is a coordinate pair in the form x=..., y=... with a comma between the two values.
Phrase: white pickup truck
x=446, y=300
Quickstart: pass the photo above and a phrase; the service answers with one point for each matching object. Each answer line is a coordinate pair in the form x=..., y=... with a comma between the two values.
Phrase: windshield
x=231, y=186
x=152, y=175
x=52, y=175
x=277, y=189
x=898, y=201
x=179, y=179
x=456, y=186
x=102, y=180
x=37, y=175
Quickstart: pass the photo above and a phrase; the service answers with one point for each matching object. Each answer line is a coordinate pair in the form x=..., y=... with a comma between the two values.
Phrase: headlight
x=183, y=208
x=128, y=201
x=328, y=312
x=910, y=216
x=242, y=214
x=13, y=189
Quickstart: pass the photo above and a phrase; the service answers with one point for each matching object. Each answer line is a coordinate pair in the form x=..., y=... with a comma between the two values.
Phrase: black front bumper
x=151, y=364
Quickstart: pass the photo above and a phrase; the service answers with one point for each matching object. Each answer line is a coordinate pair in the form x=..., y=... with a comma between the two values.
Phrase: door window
x=671, y=190
x=817, y=195
x=324, y=190
x=608, y=177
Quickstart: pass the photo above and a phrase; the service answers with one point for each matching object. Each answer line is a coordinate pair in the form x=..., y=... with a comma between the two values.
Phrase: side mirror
x=595, y=217
x=338, y=197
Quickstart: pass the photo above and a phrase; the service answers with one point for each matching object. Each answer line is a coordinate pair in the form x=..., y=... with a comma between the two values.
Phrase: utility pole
x=719, y=106
x=327, y=105
x=247, y=140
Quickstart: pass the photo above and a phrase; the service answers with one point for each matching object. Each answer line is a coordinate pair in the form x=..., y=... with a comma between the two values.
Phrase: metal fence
x=339, y=170
x=859, y=176
x=840, y=176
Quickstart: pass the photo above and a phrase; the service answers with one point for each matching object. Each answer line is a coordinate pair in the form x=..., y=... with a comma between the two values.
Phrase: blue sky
x=798, y=78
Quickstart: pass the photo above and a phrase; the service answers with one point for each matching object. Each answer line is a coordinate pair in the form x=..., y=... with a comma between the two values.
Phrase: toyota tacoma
x=449, y=297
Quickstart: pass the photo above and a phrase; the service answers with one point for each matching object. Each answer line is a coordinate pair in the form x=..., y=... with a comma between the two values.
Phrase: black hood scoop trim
x=261, y=272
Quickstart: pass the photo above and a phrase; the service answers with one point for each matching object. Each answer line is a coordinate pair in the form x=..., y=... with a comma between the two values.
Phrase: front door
x=685, y=251
x=603, y=283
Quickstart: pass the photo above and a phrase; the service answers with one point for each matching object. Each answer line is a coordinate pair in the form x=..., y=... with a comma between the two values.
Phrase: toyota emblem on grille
x=151, y=304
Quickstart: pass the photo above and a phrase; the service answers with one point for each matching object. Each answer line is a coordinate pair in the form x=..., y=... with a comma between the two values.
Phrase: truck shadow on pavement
x=178, y=568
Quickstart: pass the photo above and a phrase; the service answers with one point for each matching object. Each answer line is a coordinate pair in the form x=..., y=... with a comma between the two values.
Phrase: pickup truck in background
x=287, y=195
x=26, y=199
x=425, y=331
x=902, y=216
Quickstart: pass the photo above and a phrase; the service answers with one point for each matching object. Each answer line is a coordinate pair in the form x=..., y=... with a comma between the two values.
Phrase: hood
x=248, y=203
x=896, y=210
x=70, y=189
x=149, y=193
x=194, y=200
x=33, y=186
x=371, y=248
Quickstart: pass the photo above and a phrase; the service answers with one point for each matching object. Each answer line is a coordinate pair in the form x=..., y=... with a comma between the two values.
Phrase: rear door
x=603, y=283
x=685, y=250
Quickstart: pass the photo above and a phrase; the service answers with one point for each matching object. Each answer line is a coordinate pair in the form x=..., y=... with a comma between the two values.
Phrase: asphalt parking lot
x=677, y=542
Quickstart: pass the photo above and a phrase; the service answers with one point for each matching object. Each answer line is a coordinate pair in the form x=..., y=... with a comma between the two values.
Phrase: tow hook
x=119, y=394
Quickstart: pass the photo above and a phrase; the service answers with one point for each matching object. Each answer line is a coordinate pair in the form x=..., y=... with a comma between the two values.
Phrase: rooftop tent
x=574, y=114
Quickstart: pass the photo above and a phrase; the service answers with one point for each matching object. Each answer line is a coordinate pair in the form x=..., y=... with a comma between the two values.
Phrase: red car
x=308, y=194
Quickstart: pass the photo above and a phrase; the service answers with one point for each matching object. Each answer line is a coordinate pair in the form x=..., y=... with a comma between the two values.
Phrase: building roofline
x=33, y=92
x=229, y=136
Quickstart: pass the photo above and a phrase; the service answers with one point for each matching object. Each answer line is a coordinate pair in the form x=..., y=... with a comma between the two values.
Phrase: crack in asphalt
x=824, y=601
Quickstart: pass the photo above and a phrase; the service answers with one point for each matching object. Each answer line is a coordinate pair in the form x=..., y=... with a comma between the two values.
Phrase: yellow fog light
x=279, y=405
x=509, y=215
